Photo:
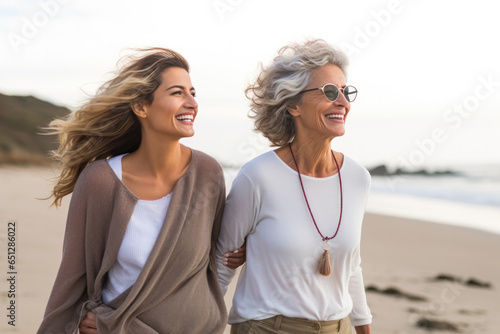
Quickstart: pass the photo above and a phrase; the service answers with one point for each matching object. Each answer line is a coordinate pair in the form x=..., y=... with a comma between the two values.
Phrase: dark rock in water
x=379, y=171
x=446, y=277
x=392, y=292
x=382, y=170
x=476, y=283
x=431, y=325
x=395, y=292
x=372, y=288
x=415, y=298
x=470, y=282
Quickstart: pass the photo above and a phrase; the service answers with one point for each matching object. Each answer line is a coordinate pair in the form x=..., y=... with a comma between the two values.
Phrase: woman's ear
x=293, y=110
x=138, y=109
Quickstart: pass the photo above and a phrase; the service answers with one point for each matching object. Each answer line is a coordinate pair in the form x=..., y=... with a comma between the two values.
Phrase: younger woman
x=139, y=247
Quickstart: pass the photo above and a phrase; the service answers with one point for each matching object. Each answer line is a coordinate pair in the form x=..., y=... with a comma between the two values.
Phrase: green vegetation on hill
x=21, y=121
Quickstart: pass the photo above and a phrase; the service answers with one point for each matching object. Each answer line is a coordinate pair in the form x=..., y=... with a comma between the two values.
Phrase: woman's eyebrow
x=175, y=86
x=180, y=87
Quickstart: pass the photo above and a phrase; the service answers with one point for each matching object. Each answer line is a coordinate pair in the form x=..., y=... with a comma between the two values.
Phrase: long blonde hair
x=106, y=125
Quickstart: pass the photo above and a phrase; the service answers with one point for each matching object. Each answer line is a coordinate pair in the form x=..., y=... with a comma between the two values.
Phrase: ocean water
x=475, y=185
x=469, y=198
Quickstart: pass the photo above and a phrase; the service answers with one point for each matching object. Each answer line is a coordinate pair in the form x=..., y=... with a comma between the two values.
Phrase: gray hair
x=279, y=85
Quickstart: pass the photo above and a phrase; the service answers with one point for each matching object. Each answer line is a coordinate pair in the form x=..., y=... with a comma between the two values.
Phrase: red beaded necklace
x=324, y=264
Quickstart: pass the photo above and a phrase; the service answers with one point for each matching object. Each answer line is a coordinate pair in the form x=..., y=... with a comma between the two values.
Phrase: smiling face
x=174, y=108
x=315, y=116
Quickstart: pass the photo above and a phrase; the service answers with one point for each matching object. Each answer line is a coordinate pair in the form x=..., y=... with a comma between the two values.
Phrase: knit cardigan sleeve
x=69, y=291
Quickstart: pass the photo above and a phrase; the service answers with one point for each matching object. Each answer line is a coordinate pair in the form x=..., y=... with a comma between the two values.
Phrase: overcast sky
x=428, y=72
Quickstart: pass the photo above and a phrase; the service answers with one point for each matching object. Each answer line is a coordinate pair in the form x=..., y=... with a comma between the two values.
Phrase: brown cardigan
x=177, y=291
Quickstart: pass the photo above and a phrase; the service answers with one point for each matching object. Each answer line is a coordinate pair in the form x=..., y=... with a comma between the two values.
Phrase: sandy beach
x=402, y=261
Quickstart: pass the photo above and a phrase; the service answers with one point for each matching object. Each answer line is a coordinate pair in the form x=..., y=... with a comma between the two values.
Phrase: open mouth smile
x=335, y=116
x=185, y=118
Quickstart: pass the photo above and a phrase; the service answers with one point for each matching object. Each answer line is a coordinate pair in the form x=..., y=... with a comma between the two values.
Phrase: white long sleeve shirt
x=266, y=205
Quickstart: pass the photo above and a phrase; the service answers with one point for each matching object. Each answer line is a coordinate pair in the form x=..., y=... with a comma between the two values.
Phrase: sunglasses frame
x=339, y=89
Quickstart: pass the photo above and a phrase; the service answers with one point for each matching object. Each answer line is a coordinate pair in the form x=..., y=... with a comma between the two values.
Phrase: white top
x=266, y=205
x=141, y=234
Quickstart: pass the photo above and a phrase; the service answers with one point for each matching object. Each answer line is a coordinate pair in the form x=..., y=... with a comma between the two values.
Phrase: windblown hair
x=106, y=125
x=278, y=86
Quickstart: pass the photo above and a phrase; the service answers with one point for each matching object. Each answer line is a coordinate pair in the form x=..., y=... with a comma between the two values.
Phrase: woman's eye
x=177, y=93
x=193, y=94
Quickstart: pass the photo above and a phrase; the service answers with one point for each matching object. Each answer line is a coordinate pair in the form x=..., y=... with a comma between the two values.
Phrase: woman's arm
x=69, y=292
x=237, y=222
x=360, y=315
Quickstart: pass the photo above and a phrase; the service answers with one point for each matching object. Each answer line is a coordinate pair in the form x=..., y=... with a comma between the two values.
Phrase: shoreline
x=398, y=253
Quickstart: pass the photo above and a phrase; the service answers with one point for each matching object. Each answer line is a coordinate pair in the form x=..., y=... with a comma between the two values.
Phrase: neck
x=313, y=157
x=162, y=157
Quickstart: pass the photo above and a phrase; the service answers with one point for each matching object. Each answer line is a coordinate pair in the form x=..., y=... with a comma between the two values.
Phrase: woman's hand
x=88, y=324
x=236, y=258
x=363, y=329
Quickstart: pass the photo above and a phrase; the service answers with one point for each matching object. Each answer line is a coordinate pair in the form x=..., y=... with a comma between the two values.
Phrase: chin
x=338, y=134
x=191, y=134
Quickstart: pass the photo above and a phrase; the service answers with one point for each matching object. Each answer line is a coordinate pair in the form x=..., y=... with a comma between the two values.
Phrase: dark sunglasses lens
x=331, y=92
x=350, y=93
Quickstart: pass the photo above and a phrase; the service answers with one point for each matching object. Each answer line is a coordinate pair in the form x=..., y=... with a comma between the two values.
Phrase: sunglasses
x=331, y=92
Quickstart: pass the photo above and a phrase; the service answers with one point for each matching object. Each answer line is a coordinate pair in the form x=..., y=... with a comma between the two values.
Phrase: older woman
x=299, y=207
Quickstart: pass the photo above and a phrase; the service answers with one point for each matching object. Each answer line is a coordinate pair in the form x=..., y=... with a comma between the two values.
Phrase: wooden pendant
x=325, y=267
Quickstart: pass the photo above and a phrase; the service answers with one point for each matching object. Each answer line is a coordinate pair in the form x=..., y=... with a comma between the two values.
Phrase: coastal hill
x=21, y=121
